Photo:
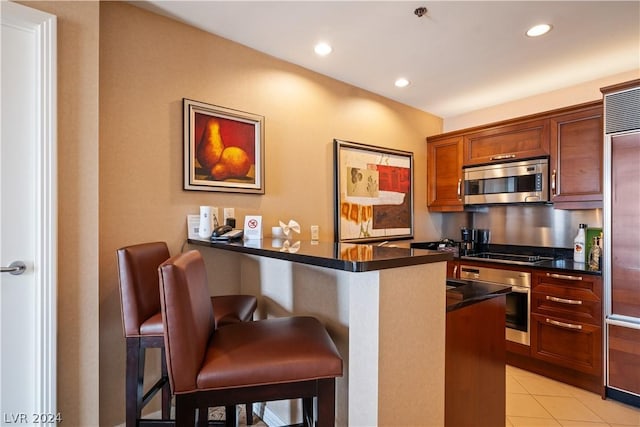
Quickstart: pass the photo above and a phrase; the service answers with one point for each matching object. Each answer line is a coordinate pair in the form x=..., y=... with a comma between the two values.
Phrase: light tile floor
x=536, y=401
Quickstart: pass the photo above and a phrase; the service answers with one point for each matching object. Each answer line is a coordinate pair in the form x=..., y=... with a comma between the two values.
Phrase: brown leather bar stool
x=140, y=302
x=264, y=360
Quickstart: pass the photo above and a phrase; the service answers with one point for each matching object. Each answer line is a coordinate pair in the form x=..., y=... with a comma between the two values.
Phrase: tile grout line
x=563, y=394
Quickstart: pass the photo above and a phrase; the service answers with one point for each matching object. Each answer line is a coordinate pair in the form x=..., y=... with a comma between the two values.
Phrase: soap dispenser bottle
x=579, y=245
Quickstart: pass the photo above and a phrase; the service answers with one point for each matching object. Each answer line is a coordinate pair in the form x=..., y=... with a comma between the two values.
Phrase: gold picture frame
x=223, y=149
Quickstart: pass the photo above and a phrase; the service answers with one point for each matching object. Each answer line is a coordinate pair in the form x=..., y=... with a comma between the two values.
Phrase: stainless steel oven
x=518, y=303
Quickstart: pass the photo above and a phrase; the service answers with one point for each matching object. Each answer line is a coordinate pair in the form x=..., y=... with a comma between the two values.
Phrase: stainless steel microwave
x=524, y=181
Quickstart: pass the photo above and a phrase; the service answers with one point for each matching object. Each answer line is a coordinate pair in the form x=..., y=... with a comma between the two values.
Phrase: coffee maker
x=468, y=238
x=474, y=241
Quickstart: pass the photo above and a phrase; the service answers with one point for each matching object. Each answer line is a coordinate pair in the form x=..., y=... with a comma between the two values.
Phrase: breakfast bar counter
x=383, y=306
x=338, y=256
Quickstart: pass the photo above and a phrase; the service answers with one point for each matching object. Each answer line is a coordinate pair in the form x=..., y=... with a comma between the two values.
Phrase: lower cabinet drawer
x=574, y=306
x=567, y=343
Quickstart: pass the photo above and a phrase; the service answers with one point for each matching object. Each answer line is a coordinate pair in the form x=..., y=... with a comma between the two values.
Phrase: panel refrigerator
x=621, y=263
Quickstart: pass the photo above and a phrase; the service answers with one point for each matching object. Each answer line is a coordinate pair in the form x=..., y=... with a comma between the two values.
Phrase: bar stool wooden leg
x=185, y=411
x=231, y=416
x=249, y=413
x=326, y=402
x=203, y=417
x=166, y=388
x=134, y=380
x=307, y=412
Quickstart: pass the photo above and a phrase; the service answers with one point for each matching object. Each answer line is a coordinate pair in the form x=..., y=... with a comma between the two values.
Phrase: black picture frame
x=373, y=188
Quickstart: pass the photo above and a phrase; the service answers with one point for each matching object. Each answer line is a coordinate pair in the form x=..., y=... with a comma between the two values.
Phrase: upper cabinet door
x=575, y=166
x=508, y=142
x=444, y=174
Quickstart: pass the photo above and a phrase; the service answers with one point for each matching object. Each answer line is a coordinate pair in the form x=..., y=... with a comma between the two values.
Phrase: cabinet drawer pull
x=564, y=301
x=563, y=276
x=503, y=156
x=459, y=189
x=563, y=324
x=455, y=271
x=553, y=183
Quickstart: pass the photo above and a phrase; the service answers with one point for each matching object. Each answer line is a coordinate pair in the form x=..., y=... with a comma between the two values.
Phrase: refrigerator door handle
x=624, y=321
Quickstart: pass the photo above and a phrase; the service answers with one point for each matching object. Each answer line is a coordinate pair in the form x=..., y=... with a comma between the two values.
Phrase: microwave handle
x=459, y=188
x=503, y=156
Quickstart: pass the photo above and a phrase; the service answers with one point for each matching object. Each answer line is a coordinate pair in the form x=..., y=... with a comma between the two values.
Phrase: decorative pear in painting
x=234, y=163
x=211, y=146
x=221, y=162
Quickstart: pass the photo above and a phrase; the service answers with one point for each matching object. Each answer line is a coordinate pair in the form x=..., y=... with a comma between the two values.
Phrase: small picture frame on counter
x=193, y=226
x=253, y=227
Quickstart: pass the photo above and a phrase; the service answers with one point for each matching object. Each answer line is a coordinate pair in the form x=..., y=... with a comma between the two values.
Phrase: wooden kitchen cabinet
x=474, y=365
x=573, y=297
x=566, y=324
x=575, y=164
x=510, y=142
x=574, y=345
x=572, y=138
x=624, y=358
x=444, y=174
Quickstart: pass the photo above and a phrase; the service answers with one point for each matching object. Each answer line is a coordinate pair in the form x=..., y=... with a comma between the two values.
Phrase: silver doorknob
x=15, y=268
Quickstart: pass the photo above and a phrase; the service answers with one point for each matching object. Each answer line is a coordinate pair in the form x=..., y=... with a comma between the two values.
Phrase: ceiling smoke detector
x=420, y=12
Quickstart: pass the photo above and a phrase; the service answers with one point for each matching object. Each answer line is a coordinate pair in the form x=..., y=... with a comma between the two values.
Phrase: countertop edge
x=334, y=263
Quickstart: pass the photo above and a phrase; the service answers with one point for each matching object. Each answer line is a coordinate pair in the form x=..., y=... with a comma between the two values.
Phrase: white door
x=27, y=217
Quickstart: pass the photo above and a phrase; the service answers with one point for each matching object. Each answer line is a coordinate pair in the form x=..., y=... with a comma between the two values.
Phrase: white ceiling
x=460, y=57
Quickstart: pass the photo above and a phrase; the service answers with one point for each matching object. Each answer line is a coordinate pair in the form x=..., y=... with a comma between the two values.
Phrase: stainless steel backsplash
x=535, y=225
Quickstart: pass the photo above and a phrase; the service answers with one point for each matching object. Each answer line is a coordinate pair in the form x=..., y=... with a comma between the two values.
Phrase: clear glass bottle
x=595, y=254
x=579, y=245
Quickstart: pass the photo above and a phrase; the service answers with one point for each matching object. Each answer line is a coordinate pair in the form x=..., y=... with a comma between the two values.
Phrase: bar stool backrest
x=139, y=285
x=186, y=296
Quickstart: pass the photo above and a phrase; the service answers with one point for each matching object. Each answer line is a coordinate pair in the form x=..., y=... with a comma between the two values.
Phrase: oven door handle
x=519, y=289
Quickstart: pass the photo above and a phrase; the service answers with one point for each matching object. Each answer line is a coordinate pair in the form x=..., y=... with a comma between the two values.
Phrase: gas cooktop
x=508, y=258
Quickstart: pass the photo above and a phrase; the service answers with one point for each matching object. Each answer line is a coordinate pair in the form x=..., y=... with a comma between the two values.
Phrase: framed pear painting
x=223, y=149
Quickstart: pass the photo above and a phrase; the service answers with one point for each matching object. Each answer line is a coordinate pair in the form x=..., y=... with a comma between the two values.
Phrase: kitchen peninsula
x=383, y=306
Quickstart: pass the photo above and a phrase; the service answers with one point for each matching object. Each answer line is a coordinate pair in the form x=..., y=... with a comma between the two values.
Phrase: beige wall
x=78, y=34
x=584, y=92
x=148, y=63
x=127, y=187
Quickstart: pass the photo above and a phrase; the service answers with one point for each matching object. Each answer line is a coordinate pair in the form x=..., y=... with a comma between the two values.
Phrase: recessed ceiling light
x=538, y=30
x=323, y=49
x=402, y=82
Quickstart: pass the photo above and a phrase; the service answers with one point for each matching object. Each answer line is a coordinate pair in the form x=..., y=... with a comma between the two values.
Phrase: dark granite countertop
x=562, y=265
x=566, y=266
x=338, y=256
x=461, y=293
x=562, y=258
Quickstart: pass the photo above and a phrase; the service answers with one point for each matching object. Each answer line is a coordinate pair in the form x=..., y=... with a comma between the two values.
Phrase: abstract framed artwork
x=223, y=149
x=373, y=193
